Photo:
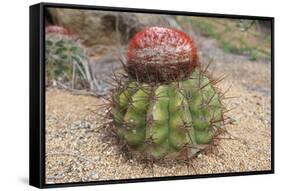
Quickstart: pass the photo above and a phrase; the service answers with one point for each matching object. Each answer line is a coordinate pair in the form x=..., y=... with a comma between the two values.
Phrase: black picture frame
x=37, y=94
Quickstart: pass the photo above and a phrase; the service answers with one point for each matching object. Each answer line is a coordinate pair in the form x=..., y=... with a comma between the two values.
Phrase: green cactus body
x=168, y=107
x=65, y=56
x=165, y=118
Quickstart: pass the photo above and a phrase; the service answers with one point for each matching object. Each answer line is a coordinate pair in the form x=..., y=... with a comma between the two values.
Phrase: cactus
x=168, y=106
x=65, y=57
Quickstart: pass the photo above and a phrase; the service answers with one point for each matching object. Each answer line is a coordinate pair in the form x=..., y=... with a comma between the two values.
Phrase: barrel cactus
x=65, y=57
x=167, y=106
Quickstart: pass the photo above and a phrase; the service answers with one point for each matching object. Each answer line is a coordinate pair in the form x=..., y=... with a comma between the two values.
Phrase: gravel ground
x=79, y=149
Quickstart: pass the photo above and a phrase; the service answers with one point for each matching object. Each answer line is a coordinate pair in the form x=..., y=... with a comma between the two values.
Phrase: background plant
x=66, y=59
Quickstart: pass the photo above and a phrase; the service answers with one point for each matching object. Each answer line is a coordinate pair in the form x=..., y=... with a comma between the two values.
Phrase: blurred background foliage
x=246, y=37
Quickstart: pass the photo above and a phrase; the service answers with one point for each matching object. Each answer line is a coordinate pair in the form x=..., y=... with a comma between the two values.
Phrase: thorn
x=209, y=101
x=206, y=68
x=123, y=65
x=226, y=111
x=227, y=90
x=233, y=97
x=189, y=164
x=97, y=113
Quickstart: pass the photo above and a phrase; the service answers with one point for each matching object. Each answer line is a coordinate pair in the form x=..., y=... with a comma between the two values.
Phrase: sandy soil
x=78, y=149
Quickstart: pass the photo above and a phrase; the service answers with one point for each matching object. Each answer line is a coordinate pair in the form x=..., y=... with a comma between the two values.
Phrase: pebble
x=95, y=175
x=96, y=158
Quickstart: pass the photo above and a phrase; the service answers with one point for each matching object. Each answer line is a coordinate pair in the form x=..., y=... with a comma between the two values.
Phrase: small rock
x=95, y=175
x=96, y=158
